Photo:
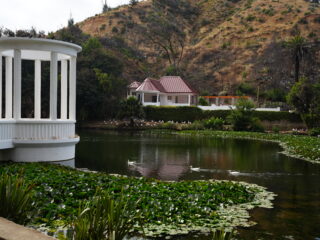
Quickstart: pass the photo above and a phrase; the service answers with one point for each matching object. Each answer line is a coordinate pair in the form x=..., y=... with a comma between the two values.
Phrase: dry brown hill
x=226, y=41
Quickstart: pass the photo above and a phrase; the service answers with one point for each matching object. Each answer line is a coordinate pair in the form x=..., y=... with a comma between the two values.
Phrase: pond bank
x=169, y=208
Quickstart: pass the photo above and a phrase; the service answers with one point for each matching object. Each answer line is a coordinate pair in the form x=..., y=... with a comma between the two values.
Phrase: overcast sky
x=48, y=15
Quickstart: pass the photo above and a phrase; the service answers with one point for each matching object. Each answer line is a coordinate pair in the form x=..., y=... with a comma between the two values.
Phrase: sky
x=48, y=15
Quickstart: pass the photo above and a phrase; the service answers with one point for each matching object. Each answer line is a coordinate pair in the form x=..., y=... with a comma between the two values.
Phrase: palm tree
x=297, y=44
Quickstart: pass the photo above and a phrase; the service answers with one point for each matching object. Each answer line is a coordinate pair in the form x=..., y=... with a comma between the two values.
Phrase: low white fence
x=230, y=107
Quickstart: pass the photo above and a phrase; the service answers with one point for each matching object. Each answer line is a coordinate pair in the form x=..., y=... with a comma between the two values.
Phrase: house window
x=154, y=99
x=177, y=100
x=169, y=98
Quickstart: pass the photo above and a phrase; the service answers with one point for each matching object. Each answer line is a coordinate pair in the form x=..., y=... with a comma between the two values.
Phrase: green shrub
x=214, y=123
x=196, y=125
x=203, y=102
x=176, y=114
x=15, y=198
x=130, y=108
x=105, y=218
x=242, y=118
x=169, y=125
x=275, y=129
x=314, y=132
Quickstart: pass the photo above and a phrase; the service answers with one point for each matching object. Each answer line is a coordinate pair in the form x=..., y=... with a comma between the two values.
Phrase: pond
x=296, y=212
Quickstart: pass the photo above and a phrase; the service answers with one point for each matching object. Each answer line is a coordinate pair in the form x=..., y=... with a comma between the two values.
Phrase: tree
x=304, y=96
x=133, y=2
x=164, y=31
x=297, y=45
x=105, y=7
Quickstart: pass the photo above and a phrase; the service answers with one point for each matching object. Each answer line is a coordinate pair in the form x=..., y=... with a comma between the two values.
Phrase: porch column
x=8, y=87
x=64, y=89
x=53, y=85
x=72, y=88
x=37, y=89
x=0, y=85
x=142, y=98
x=189, y=99
x=158, y=98
x=17, y=84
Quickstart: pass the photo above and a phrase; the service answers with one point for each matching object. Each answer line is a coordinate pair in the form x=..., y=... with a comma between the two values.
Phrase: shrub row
x=190, y=114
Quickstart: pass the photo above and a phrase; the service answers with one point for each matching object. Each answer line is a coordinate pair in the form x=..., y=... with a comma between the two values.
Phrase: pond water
x=296, y=212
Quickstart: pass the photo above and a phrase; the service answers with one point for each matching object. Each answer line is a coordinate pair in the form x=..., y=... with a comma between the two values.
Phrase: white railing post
x=8, y=87
x=0, y=85
x=53, y=85
x=17, y=84
x=64, y=89
x=72, y=88
x=37, y=89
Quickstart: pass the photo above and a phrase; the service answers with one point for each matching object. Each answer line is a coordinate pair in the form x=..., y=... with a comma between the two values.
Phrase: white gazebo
x=38, y=139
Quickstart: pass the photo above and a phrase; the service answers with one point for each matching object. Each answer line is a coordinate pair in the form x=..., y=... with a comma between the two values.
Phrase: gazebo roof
x=37, y=48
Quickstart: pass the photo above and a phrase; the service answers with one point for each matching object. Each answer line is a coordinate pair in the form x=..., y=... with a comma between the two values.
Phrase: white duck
x=131, y=163
x=194, y=169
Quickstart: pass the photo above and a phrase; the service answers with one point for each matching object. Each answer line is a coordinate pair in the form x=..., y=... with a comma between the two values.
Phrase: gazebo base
x=40, y=151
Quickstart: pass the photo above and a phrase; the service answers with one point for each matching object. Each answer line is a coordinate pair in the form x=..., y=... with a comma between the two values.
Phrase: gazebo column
x=189, y=99
x=0, y=85
x=37, y=89
x=64, y=89
x=53, y=85
x=72, y=88
x=8, y=87
x=17, y=84
x=142, y=98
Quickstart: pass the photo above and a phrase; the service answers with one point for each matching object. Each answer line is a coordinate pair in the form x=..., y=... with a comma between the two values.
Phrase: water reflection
x=168, y=157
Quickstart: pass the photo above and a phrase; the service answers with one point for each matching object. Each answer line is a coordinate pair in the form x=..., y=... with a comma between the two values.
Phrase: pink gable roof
x=134, y=85
x=149, y=85
x=175, y=84
x=167, y=84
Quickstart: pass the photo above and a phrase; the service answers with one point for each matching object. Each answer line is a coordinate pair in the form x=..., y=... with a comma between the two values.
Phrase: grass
x=167, y=208
x=303, y=147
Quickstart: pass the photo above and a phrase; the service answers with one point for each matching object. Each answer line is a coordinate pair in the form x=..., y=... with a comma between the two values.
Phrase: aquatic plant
x=15, y=198
x=167, y=208
x=221, y=234
x=103, y=217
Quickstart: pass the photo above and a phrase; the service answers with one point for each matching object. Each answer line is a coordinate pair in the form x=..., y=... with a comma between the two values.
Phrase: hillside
x=221, y=42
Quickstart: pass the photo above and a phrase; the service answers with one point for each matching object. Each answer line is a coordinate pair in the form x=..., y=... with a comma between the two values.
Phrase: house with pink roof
x=167, y=91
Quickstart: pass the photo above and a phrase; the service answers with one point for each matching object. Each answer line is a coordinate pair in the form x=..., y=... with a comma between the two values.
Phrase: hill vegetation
x=244, y=47
x=215, y=44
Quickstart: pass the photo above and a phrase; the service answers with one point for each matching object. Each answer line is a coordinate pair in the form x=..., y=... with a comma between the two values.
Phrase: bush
x=214, y=123
x=176, y=114
x=242, y=118
x=203, y=102
x=130, y=108
x=15, y=198
x=314, y=132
